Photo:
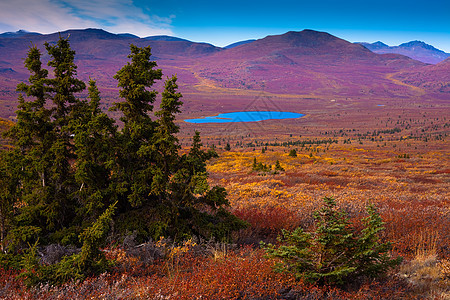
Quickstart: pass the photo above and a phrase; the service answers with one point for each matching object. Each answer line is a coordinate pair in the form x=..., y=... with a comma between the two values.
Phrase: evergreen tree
x=62, y=87
x=334, y=253
x=32, y=133
x=43, y=140
x=33, y=137
x=71, y=170
x=161, y=192
x=166, y=142
x=278, y=166
x=134, y=175
x=134, y=78
x=197, y=208
x=94, y=141
x=293, y=153
x=9, y=191
x=372, y=255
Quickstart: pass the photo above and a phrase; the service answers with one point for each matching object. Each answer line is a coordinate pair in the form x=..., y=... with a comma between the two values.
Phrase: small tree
x=335, y=252
x=293, y=153
x=278, y=166
x=260, y=167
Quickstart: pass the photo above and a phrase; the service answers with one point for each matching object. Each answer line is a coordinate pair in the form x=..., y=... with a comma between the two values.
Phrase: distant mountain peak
x=413, y=43
x=18, y=33
x=419, y=44
x=238, y=44
x=165, y=38
x=97, y=31
x=374, y=46
x=417, y=50
x=306, y=38
x=308, y=33
x=128, y=35
x=380, y=44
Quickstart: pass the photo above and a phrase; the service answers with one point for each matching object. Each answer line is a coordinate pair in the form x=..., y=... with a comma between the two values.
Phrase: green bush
x=90, y=261
x=260, y=167
x=278, y=166
x=335, y=253
x=293, y=153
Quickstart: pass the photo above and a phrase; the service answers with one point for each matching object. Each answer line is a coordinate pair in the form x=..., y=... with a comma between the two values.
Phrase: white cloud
x=48, y=16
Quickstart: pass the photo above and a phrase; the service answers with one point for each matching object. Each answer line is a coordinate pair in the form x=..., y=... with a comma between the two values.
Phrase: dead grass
x=428, y=276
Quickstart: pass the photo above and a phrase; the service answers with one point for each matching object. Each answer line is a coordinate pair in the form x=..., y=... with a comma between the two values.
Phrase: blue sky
x=224, y=22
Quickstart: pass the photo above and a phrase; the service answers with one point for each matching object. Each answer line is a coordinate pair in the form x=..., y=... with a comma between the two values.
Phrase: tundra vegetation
x=91, y=209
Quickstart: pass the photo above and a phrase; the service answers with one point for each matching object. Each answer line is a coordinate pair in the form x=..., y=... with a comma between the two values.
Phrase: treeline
x=75, y=178
x=301, y=143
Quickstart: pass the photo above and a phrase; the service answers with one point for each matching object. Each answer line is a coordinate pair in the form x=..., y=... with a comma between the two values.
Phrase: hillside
x=306, y=62
x=99, y=55
x=435, y=77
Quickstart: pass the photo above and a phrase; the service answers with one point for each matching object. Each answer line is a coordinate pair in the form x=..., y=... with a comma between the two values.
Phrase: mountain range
x=307, y=63
x=415, y=49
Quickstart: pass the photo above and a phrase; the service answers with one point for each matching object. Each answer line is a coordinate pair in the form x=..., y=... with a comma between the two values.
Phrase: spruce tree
x=70, y=163
x=94, y=141
x=293, y=153
x=9, y=191
x=159, y=191
x=278, y=166
x=165, y=144
x=200, y=209
x=43, y=137
x=134, y=175
x=335, y=253
x=63, y=88
x=166, y=140
x=64, y=85
x=33, y=137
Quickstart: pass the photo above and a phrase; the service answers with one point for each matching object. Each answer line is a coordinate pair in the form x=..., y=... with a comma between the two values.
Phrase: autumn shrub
x=335, y=253
x=243, y=274
x=265, y=223
x=417, y=226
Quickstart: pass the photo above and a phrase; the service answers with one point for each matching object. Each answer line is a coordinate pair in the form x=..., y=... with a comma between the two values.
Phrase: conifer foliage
x=73, y=173
x=335, y=253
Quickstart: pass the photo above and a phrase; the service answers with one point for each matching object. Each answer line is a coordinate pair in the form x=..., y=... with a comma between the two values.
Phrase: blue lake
x=247, y=116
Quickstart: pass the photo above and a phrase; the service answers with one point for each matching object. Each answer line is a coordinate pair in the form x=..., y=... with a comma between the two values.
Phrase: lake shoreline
x=246, y=116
